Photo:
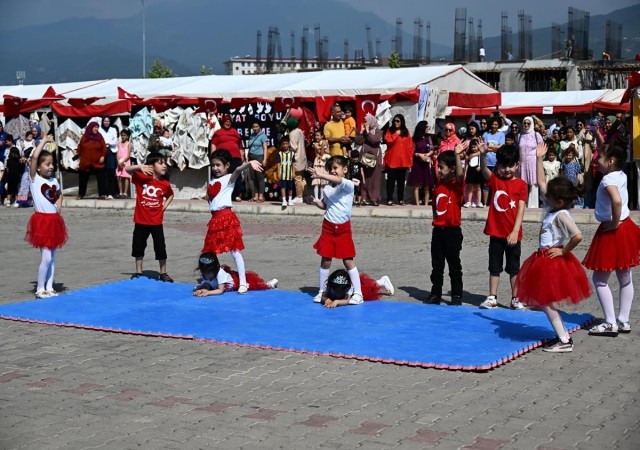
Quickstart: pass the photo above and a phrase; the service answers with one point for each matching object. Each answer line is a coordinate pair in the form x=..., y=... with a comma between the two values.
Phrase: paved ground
x=76, y=389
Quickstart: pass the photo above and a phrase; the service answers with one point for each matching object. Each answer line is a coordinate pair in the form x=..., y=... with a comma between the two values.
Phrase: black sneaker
x=136, y=275
x=557, y=346
x=434, y=299
x=166, y=278
x=456, y=300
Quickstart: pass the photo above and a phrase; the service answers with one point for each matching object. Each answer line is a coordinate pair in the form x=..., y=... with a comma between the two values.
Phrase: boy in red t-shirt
x=504, y=222
x=153, y=196
x=446, y=238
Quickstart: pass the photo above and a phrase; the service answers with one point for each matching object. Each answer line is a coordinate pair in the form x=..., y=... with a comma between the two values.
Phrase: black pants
x=256, y=178
x=446, y=244
x=499, y=249
x=83, y=179
x=110, y=182
x=239, y=187
x=396, y=177
x=141, y=234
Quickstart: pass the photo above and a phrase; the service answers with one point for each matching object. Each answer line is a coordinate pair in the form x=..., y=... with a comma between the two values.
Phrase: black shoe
x=166, y=278
x=434, y=300
x=136, y=275
x=456, y=300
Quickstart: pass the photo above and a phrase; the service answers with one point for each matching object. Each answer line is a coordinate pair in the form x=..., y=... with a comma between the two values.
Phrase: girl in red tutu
x=616, y=244
x=339, y=290
x=46, y=229
x=216, y=280
x=552, y=274
x=223, y=231
x=336, y=240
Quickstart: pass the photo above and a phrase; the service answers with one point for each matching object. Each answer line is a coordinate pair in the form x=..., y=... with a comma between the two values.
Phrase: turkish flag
x=208, y=105
x=82, y=102
x=239, y=102
x=162, y=104
x=12, y=105
x=366, y=104
x=323, y=108
x=284, y=103
x=124, y=95
x=50, y=94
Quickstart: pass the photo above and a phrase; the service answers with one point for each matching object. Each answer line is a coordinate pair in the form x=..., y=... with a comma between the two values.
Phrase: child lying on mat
x=216, y=280
x=339, y=291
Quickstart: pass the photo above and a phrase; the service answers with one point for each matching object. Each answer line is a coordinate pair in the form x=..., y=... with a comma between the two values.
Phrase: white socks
x=46, y=269
x=354, y=275
x=626, y=294
x=239, y=260
x=556, y=322
x=324, y=276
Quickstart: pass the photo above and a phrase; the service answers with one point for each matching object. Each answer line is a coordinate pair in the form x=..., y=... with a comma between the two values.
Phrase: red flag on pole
x=323, y=108
x=12, y=105
x=124, y=95
x=284, y=103
x=366, y=104
x=50, y=94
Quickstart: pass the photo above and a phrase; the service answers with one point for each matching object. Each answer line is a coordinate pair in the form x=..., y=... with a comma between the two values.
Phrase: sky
x=543, y=12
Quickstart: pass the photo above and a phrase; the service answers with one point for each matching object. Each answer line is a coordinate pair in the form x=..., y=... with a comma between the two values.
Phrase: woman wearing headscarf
x=229, y=139
x=398, y=157
x=370, y=137
x=110, y=136
x=92, y=152
x=527, y=142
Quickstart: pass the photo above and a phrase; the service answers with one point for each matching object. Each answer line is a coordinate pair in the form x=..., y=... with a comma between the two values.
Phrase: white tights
x=239, y=260
x=317, y=191
x=556, y=322
x=605, y=297
x=46, y=269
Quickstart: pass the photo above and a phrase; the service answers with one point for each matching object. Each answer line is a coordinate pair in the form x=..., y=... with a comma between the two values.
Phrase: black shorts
x=141, y=234
x=498, y=248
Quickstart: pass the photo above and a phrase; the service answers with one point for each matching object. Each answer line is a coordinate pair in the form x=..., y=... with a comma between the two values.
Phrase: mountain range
x=187, y=36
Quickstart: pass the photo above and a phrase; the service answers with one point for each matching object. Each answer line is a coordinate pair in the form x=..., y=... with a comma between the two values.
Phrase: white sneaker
x=467, y=205
x=318, y=297
x=386, y=283
x=290, y=202
x=297, y=200
x=15, y=205
x=480, y=205
x=272, y=283
x=473, y=205
x=243, y=288
x=490, y=302
x=109, y=197
x=42, y=294
x=284, y=203
x=356, y=298
x=52, y=293
x=515, y=304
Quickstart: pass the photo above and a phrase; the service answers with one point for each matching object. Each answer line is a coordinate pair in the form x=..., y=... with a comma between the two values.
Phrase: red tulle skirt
x=255, y=282
x=543, y=280
x=614, y=250
x=335, y=241
x=223, y=233
x=369, y=287
x=46, y=230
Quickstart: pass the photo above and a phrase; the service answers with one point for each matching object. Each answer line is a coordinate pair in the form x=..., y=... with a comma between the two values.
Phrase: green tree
x=159, y=70
x=394, y=60
x=558, y=84
x=204, y=70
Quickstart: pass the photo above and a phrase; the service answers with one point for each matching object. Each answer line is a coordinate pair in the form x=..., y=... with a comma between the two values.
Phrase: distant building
x=250, y=66
x=535, y=75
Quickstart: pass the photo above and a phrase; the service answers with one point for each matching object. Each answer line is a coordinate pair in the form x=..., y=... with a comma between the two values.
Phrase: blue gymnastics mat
x=459, y=338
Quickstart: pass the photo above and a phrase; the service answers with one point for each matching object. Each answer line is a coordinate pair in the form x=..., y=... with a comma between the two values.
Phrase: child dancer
x=153, y=197
x=356, y=172
x=446, y=238
x=224, y=233
x=46, y=229
x=339, y=290
x=336, y=240
x=504, y=222
x=216, y=280
x=553, y=262
x=124, y=155
x=616, y=244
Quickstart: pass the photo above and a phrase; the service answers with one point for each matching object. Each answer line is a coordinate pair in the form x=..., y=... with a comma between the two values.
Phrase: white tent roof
x=456, y=79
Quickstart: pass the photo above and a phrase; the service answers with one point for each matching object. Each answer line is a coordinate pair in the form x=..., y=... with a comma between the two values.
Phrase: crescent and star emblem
x=368, y=102
x=512, y=203
x=438, y=198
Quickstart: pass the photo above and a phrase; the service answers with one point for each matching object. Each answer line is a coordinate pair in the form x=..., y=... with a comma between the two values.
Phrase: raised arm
x=33, y=165
x=486, y=173
x=460, y=149
x=541, y=150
